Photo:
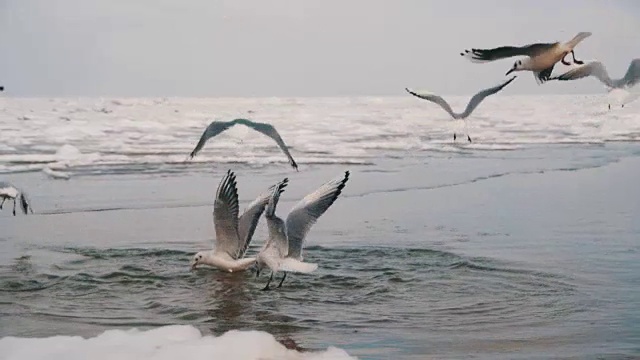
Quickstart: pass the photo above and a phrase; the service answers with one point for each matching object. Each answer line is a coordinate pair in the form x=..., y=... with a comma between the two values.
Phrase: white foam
x=318, y=130
x=55, y=174
x=168, y=342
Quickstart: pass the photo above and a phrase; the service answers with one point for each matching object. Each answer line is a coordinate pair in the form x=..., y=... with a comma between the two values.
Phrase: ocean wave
x=167, y=342
x=111, y=133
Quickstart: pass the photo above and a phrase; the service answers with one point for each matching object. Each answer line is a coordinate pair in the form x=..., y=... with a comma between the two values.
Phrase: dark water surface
x=533, y=253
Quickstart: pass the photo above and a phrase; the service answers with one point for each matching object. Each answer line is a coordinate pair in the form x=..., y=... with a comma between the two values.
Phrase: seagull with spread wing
x=541, y=57
x=283, y=249
x=598, y=70
x=217, y=127
x=233, y=233
x=8, y=191
x=473, y=103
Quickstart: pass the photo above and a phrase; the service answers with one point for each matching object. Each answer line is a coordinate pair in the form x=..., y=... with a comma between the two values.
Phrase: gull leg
x=609, y=106
x=14, y=207
x=454, y=137
x=579, y=62
x=281, y=281
x=466, y=130
x=622, y=105
x=2, y=203
x=565, y=62
x=268, y=282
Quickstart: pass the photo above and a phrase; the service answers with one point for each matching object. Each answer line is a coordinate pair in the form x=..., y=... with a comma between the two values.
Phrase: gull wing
x=593, y=68
x=215, y=128
x=434, y=99
x=632, y=77
x=251, y=216
x=503, y=52
x=270, y=131
x=225, y=216
x=477, y=98
x=277, y=246
x=307, y=212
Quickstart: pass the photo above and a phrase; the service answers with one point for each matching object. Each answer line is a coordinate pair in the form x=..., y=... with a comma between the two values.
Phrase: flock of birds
x=540, y=59
x=282, y=252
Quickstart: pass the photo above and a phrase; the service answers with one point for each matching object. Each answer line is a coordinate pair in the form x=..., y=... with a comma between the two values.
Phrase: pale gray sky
x=294, y=47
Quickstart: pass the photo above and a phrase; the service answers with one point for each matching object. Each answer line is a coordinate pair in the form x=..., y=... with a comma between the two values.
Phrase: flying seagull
x=541, y=56
x=598, y=70
x=233, y=233
x=473, y=103
x=8, y=191
x=283, y=249
x=217, y=127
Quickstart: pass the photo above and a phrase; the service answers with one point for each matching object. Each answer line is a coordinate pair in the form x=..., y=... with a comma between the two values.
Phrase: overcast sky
x=294, y=47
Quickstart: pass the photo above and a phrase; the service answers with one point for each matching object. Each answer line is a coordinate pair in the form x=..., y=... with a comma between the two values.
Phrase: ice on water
x=68, y=133
x=168, y=342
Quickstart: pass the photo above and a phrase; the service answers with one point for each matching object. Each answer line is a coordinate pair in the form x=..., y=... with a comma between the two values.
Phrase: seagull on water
x=8, y=191
x=598, y=70
x=473, y=103
x=217, y=127
x=283, y=249
x=233, y=233
x=541, y=56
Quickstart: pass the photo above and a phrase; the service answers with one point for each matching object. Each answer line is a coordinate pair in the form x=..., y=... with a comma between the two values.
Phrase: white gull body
x=233, y=233
x=473, y=103
x=541, y=57
x=10, y=192
x=283, y=249
x=597, y=69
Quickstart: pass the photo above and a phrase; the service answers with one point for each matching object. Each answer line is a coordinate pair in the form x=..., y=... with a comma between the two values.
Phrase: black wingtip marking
x=24, y=204
x=344, y=181
x=283, y=184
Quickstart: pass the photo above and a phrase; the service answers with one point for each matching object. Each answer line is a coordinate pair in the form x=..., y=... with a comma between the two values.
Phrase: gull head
x=517, y=66
x=197, y=259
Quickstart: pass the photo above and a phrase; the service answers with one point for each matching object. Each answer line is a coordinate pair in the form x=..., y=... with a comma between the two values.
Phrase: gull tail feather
x=293, y=265
x=243, y=264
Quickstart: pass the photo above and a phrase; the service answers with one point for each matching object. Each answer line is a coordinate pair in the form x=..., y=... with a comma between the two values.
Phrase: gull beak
x=510, y=71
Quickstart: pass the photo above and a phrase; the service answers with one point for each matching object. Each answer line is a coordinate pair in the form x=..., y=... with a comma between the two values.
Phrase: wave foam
x=317, y=130
x=168, y=342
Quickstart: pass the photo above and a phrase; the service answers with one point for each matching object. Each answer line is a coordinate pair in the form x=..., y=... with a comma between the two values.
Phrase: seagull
x=473, y=103
x=283, y=249
x=541, y=56
x=217, y=127
x=233, y=234
x=8, y=191
x=597, y=69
